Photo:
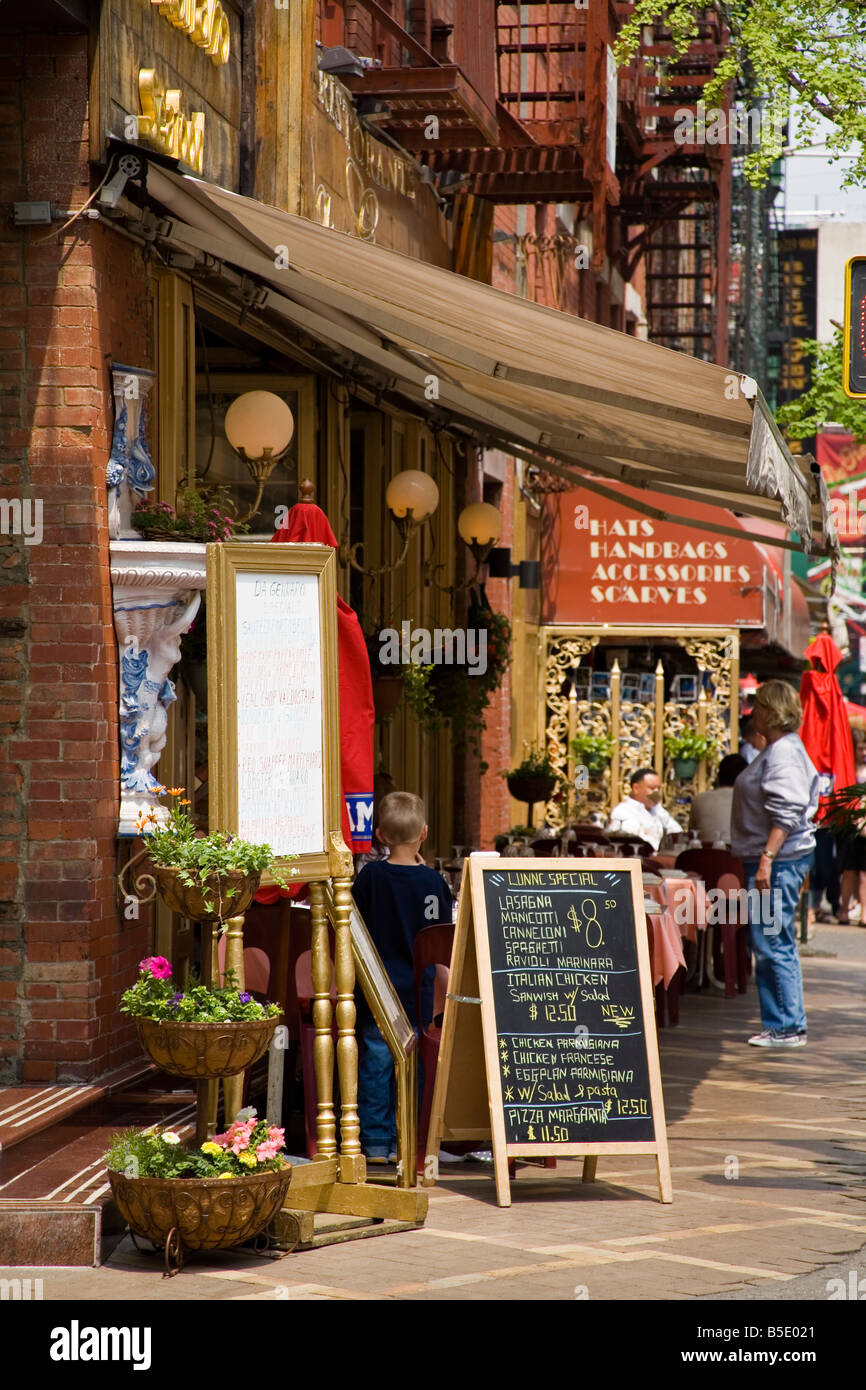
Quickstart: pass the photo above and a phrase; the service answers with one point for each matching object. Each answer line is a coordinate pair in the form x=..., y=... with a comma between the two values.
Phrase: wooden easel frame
x=470, y=963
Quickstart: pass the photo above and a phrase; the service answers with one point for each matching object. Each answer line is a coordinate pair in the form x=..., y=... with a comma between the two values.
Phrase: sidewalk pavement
x=768, y=1151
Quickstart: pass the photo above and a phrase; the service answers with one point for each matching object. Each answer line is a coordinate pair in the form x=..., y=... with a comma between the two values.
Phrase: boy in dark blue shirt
x=397, y=897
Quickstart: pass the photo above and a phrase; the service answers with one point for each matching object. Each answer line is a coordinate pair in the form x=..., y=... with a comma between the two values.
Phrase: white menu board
x=280, y=711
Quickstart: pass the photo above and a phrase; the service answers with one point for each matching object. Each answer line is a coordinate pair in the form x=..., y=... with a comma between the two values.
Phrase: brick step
x=55, y=1199
x=27, y=1110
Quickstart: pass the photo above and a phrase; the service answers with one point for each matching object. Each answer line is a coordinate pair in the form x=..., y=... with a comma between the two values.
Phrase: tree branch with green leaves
x=815, y=49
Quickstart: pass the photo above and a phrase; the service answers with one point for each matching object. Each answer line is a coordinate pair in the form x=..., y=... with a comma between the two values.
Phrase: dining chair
x=723, y=871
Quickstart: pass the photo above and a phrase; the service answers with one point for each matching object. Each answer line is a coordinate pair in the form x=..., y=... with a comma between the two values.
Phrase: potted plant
x=204, y=1031
x=455, y=694
x=387, y=680
x=685, y=751
x=210, y=1198
x=592, y=751
x=844, y=812
x=207, y=514
x=533, y=779
x=207, y=878
x=517, y=834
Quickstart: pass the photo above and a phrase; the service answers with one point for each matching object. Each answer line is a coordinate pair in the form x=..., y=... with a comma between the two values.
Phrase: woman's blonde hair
x=782, y=705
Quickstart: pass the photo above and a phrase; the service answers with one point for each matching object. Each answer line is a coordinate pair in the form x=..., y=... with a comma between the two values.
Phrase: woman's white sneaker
x=768, y=1039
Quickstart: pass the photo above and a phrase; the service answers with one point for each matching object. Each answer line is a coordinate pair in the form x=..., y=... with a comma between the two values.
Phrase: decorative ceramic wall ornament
x=157, y=592
x=130, y=474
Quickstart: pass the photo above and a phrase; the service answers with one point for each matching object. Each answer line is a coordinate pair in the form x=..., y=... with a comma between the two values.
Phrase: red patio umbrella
x=825, y=731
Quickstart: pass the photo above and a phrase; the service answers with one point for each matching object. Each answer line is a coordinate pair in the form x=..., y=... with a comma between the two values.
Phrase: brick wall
x=70, y=301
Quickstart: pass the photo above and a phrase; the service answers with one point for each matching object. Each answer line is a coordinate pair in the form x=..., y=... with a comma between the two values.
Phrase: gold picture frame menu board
x=273, y=702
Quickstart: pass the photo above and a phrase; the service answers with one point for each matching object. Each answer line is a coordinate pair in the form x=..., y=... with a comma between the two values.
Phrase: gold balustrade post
x=207, y=1092
x=233, y=1086
x=352, y=1164
x=323, y=1042
x=570, y=763
x=615, y=718
x=702, y=729
x=659, y=752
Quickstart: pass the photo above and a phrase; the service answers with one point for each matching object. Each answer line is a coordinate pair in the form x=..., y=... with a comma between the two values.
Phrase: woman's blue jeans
x=773, y=936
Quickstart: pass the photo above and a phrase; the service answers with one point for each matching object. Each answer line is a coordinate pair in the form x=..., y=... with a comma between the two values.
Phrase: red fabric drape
x=306, y=524
x=825, y=731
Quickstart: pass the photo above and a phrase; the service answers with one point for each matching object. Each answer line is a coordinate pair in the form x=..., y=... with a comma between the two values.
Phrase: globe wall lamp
x=411, y=497
x=480, y=526
x=259, y=426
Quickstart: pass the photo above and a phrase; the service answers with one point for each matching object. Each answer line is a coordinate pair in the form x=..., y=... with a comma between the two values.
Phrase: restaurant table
x=679, y=898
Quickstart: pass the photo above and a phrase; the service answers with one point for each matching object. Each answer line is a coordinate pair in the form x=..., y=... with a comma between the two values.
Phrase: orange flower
x=175, y=791
x=184, y=801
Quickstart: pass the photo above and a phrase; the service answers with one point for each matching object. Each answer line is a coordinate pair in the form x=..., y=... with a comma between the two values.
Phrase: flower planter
x=531, y=789
x=685, y=768
x=387, y=694
x=229, y=895
x=205, y=1051
x=205, y=1213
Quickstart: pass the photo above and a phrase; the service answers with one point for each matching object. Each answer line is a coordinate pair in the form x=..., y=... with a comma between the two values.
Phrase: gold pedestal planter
x=205, y=1051
x=217, y=898
x=199, y=1213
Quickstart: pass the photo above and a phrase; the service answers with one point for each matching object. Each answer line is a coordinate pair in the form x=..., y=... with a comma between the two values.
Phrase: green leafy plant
x=201, y=515
x=825, y=402
x=592, y=750
x=517, y=832
x=799, y=58
x=844, y=812
x=441, y=695
x=154, y=996
x=536, y=763
x=200, y=859
x=687, y=745
x=247, y=1146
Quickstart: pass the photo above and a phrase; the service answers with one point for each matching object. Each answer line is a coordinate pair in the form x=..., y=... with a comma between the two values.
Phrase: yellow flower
x=247, y=1159
x=226, y=1175
x=211, y=1148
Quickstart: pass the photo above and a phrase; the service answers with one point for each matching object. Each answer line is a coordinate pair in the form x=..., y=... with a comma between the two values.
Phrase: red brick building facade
x=72, y=298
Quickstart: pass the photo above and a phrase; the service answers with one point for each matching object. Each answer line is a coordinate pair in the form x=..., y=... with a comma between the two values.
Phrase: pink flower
x=159, y=967
x=236, y=1137
x=276, y=1136
x=267, y=1149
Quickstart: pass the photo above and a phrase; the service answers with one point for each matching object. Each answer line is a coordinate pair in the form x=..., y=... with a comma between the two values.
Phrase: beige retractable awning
x=544, y=385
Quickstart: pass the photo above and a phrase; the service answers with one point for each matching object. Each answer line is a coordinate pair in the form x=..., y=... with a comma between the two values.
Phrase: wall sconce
x=259, y=426
x=411, y=497
x=480, y=526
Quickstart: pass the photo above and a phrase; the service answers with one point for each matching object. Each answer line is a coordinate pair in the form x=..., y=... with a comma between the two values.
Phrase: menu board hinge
x=463, y=998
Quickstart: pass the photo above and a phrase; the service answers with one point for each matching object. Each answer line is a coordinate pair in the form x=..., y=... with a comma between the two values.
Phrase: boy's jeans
x=773, y=939
x=377, y=1095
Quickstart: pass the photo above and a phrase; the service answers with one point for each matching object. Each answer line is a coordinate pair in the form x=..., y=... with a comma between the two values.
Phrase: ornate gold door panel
x=637, y=724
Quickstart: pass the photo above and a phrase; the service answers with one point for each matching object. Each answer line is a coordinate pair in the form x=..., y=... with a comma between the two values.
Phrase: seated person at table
x=642, y=814
x=752, y=743
x=397, y=897
x=710, y=814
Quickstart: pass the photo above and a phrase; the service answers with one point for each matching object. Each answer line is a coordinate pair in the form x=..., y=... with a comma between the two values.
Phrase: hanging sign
x=548, y=1038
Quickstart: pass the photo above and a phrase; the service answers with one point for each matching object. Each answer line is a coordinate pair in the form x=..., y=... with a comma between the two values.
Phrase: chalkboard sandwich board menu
x=549, y=1017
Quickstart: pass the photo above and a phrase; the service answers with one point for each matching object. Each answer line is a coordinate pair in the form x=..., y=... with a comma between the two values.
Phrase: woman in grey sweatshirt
x=772, y=832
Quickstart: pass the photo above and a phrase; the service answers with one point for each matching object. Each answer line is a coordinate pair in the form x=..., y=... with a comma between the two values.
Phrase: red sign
x=604, y=563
